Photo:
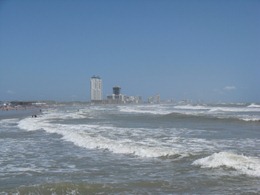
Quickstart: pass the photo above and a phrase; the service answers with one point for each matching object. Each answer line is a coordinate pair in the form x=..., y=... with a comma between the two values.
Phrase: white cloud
x=230, y=88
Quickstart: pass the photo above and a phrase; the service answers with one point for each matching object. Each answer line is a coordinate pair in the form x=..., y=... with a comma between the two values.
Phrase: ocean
x=132, y=149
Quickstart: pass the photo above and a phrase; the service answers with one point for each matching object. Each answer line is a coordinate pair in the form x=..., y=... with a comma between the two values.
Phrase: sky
x=181, y=49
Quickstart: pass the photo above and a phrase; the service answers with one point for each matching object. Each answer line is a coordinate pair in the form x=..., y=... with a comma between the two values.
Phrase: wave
x=192, y=107
x=202, y=116
x=250, y=118
x=241, y=113
x=253, y=106
x=90, y=137
x=155, y=110
x=242, y=164
x=69, y=114
x=208, y=108
x=121, y=140
x=8, y=122
x=130, y=141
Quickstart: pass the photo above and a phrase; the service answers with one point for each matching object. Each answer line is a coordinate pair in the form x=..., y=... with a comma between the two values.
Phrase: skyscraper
x=96, y=89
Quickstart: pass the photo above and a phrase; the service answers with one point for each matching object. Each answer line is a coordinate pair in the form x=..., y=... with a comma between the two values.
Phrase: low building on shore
x=154, y=99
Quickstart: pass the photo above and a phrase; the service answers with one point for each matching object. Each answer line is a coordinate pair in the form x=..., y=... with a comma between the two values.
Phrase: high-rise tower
x=116, y=90
x=96, y=89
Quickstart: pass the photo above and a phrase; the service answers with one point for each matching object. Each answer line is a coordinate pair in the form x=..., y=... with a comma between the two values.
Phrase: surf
x=242, y=164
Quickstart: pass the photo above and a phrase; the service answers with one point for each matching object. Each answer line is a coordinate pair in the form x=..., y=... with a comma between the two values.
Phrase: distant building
x=133, y=99
x=118, y=98
x=116, y=90
x=96, y=89
x=154, y=99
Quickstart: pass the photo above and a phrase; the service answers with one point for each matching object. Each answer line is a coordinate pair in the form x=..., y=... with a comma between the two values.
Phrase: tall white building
x=96, y=88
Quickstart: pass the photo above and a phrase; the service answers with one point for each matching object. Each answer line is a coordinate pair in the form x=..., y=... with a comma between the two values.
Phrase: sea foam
x=151, y=109
x=253, y=106
x=242, y=164
x=94, y=137
x=8, y=122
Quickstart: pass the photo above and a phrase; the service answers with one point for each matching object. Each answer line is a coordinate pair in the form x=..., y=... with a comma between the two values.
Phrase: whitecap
x=30, y=124
x=249, y=118
x=192, y=107
x=149, y=109
x=8, y=122
x=242, y=164
x=253, y=106
x=97, y=137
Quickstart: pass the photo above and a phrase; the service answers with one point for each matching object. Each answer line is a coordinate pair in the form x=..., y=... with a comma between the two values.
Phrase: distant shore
x=19, y=109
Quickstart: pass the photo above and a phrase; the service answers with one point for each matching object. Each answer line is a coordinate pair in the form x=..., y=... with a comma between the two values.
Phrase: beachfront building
x=118, y=98
x=96, y=89
x=154, y=99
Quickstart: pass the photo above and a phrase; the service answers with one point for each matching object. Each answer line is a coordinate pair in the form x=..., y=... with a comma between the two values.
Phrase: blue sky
x=190, y=49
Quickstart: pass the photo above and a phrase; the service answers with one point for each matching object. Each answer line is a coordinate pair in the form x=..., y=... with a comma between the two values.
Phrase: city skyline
x=96, y=94
x=197, y=50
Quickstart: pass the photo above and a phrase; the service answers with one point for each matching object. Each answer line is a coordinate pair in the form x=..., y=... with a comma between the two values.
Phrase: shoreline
x=19, y=112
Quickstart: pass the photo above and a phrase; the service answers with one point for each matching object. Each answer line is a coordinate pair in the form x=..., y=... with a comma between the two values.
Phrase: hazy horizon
x=195, y=50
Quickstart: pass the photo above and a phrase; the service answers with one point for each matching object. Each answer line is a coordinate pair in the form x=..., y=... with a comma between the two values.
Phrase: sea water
x=132, y=149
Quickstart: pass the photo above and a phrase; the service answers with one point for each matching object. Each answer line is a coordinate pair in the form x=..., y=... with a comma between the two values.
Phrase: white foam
x=65, y=114
x=250, y=113
x=137, y=141
x=8, y=122
x=253, y=106
x=97, y=137
x=242, y=164
x=249, y=118
x=205, y=108
x=30, y=124
x=241, y=112
x=148, y=109
x=123, y=146
x=191, y=107
x=235, y=109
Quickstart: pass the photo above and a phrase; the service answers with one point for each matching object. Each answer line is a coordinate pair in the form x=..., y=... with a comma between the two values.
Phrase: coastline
x=21, y=109
x=19, y=113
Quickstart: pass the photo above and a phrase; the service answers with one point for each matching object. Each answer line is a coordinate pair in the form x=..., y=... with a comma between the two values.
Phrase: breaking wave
x=170, y=143
x=242, y=164
x=147, y=109
x=253, y=106
x=194, y=116
x=250, y=113
x=98, y=137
